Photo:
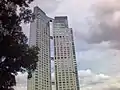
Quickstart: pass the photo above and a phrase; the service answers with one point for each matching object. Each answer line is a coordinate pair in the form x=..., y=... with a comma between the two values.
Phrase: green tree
x=15, y=54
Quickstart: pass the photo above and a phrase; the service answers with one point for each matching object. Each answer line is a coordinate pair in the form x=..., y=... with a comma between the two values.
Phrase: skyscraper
x=66, y=75
x=40, y=36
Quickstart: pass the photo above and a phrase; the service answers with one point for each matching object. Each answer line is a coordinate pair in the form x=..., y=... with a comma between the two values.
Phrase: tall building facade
x=40, y=36
x=66, y=75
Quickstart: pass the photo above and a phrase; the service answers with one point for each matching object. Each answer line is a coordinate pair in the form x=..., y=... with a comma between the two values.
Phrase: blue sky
x=96, y=26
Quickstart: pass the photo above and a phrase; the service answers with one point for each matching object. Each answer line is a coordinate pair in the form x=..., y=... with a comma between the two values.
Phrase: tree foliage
x=15, y=54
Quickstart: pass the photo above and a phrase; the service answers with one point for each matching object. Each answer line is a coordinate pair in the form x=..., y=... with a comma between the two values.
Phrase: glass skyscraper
x=40, y=36
x=66, y=76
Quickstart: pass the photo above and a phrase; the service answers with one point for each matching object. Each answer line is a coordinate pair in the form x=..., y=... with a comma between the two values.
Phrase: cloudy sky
x=96, y=26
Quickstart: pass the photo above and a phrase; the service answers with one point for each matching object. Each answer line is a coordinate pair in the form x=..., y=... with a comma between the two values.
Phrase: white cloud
x=92, y=81
x=85, y=73
x=110, y=84
x=87, y=77
x=102, y=76
x=21, y=81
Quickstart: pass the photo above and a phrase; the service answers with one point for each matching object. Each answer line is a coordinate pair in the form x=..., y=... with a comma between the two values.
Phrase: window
x=36, y=88
x=36, y=82
x=65, y=57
